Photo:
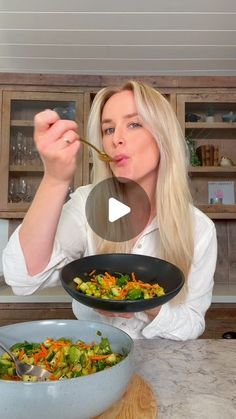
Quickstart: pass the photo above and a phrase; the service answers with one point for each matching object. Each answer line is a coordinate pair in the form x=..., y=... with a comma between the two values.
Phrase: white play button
x=116, y=210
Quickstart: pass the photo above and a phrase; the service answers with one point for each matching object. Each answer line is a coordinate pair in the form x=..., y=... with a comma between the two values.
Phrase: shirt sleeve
x=70, y=243
x=183, y=317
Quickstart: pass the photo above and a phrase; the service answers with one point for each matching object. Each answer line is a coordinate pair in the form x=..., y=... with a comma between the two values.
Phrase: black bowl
x=147, y=269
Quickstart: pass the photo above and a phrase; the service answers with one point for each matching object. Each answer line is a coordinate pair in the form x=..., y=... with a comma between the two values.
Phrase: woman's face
x=127, y=140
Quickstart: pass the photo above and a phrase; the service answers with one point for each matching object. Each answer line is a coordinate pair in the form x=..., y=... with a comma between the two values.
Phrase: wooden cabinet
x=21, y=168
x=214, y=135
x=220, y=318
x=87, y=158
x=11, y=313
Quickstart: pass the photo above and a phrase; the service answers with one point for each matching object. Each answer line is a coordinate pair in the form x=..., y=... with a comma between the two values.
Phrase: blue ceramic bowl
x=76, y=398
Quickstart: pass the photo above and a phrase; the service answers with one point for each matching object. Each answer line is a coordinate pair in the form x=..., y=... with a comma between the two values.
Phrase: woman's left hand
x=153, y=312
x=112, y=314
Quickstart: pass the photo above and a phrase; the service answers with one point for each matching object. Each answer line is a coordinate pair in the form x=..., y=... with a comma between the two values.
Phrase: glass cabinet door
x=21, y=166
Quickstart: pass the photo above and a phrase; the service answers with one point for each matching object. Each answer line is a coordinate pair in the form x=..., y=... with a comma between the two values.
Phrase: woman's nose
x=118, y=137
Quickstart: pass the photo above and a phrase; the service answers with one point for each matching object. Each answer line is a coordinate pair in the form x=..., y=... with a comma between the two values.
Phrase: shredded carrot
x=98, y=357
x=112, y=279
x=145, y=285
x=42, y=354
x=38, y=356
x=21, y=354
x=83, y=345
x=123, y=293
x=53, y=378
x=59, y=344
x=44, y=350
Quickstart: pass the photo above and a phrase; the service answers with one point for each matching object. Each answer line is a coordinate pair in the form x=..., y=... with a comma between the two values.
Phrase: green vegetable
x=135, y=294
x=123, y=280
x=105, y=346
x=4, y=366
x=74, y=354
x=83, y=359
x=26, y=346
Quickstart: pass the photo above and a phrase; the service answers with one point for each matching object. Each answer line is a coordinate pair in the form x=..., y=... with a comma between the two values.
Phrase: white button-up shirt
x=181, y=318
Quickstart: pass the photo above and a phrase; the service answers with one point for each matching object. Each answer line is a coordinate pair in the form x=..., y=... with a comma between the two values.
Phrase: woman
x=136, y=126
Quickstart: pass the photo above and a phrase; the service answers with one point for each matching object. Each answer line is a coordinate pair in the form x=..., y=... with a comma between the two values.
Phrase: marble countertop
x=193, y=379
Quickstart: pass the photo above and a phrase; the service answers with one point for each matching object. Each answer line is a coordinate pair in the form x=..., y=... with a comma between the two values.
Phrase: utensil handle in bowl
x=7, y=351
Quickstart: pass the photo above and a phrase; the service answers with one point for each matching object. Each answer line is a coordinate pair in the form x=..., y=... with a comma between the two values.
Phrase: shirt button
x=139, y=246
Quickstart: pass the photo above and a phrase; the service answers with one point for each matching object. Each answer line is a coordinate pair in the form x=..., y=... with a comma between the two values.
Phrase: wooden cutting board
x=139, y=402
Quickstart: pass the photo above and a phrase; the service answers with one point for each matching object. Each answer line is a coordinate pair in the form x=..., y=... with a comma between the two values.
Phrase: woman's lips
x=120, y=159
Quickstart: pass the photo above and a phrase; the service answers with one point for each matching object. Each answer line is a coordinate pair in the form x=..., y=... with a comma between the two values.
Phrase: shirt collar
x=151, y=227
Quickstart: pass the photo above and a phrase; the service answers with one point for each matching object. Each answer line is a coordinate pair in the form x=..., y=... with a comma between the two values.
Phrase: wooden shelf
x=26, y=168
x=220, y=212
x=213, y=125
x=20, y=206
x=22, y=123
x=12, y=214
x=218, y=170
x=221, y=216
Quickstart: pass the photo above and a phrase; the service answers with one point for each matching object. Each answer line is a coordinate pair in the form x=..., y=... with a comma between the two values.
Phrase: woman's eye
x=135, y=125
x=108, y=131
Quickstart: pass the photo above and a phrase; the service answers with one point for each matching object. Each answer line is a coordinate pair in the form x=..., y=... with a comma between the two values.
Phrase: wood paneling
x=222, y=267
x=220, y=318
x=21, y=312
x=226, y=261
x=231, y=230
x=88, y=81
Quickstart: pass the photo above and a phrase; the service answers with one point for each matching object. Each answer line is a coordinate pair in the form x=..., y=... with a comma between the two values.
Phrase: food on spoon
x=63, y=358
x=117, y=287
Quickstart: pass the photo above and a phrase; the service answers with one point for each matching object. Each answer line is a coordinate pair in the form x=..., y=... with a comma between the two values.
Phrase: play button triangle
x=116, y=210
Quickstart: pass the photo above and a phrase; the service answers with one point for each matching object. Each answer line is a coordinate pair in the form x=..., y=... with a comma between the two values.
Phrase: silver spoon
x=26, y=369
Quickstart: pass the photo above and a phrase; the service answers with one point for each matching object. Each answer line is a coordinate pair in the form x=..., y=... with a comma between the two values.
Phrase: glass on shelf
x=19, y=149
x=23, y=151
x=21, y=189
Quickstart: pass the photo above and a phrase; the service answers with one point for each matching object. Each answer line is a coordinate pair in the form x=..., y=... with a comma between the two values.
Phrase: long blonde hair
x=173, y=198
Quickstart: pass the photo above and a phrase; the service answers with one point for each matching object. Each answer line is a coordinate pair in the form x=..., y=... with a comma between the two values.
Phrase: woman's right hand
x=58, y=155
